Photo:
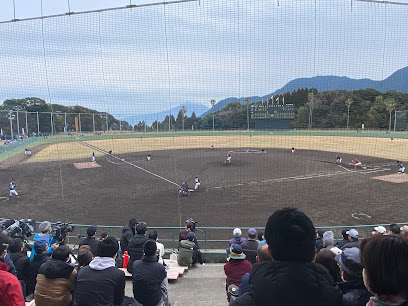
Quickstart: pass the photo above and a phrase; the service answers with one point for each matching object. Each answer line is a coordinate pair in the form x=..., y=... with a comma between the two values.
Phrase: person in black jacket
x=290, y=278
x=21, y=262
x=149, y=277
x=101, y=283
x=90, y=240
x=127, y=233
x=41, y=256
x=135, y=247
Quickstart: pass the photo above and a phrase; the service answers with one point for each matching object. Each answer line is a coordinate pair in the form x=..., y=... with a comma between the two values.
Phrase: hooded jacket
x=282, y=283
x=148, y=275
x=55, y=283
x=50, y=240
x=11, y=293
x=135, y=249
x=100, y=284
x=22, y=264
x=186, y=250
x=127, y=234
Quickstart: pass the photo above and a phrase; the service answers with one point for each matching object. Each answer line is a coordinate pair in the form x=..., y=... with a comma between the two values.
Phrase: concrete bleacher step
x=174, y=271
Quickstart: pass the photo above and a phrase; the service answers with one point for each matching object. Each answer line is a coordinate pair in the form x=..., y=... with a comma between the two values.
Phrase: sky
x=148, y=59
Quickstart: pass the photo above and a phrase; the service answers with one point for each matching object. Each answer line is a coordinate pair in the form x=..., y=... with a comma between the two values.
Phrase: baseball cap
x=404, y=229
x=381, y=229
x=237, y=232
x=45, y=226
x=252, y=232
x=39, y=245
x=352, y=233
x=236, y=252
x=350, y=261
x=91, y=230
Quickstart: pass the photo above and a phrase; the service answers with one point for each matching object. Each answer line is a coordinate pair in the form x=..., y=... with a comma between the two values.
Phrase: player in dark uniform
x=401, y=167
x=184, y=189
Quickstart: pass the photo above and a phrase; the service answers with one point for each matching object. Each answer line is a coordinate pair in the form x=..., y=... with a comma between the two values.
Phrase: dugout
x=272, y=117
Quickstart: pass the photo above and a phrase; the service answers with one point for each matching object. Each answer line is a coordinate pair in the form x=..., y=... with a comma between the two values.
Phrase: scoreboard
x=276, y=116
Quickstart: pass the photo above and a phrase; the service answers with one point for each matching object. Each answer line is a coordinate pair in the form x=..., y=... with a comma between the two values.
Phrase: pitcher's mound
x=86, y=165
x=393, y=178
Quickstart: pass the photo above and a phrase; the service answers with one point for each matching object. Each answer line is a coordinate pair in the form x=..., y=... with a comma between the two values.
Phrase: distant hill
x=398, y=81
x=199, y=109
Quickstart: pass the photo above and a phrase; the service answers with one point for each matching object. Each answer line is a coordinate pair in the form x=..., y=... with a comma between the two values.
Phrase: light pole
x=213, y=103
x=247, y=103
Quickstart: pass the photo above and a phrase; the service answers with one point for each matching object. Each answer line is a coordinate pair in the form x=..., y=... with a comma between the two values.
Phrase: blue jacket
x=50, y=242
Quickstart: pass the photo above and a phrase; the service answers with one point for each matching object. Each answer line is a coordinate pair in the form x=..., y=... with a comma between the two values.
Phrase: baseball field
x=59, y=181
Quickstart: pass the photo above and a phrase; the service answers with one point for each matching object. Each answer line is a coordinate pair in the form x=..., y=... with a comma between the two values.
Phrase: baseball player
x=293, y=150
x=229, y=157
x=401, y=167
x=148, y=157
x=197, y=183
x=93, y=157
x=356, y=163
x=338, y=159
x=12, y=188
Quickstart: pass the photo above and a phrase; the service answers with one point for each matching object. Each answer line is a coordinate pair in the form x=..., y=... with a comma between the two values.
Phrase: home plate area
x=86, y=165
x=393, y=178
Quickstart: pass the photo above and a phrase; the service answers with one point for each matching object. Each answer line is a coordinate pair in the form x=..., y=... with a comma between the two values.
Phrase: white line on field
x=129, y=163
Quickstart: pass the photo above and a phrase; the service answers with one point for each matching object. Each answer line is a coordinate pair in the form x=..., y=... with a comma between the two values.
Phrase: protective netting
x=126, y=83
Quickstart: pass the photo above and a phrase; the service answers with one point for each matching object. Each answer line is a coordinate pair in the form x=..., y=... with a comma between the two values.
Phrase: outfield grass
x=381, y=147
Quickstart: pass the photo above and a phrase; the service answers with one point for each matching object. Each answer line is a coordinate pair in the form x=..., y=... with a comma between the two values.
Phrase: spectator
x=160, y=246
x=84, y=256
x=56, y=279
x=354, y=291
x=379, y=230
x=127, y=233
x=197, y=256
x=11, y=293
x=21, y=262
x=290, y=278
x=236, y=266
x=135, y=246
x=45, y=229
x=190, y=227
x=353, y=238
x=41, y=256
x=90, y=240
x=385, y=273
x=104, y=235
x=261, y=237
x=262, y=255
x=186, y=251
x=345, y=240
x=326, y=258
x=250, y=246
x=101, y=283
x=328, y=240
x=394, y=229
x=319, y=239
x=404, y=231
x=237, y=237
x=149, y=277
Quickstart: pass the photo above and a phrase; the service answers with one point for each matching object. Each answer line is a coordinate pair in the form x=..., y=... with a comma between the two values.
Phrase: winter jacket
x=185, y=256
x=35, y=265
x=148, y=275
x=354, y=244
x=234, y=270
x=282, y=283
x=135, y=249
x=100, y=284
x=22, y=264
x=354, y=293
x=55, y=283
x=92, y=242
x=11, y=293
x=250, y=248
x=49, y=240
x=237, y=240
x=127, y=234
x=342, y=243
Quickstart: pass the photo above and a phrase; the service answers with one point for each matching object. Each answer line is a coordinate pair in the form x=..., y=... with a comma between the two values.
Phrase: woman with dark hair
x=385, y=273
x=326, y=258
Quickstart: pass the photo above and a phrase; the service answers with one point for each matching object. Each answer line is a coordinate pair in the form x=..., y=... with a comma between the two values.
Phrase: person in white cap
x=379, y=230
x=353, y=238
x=404, y=231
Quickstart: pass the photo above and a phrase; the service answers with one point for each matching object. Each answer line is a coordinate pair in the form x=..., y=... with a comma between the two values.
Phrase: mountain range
x=398, y=81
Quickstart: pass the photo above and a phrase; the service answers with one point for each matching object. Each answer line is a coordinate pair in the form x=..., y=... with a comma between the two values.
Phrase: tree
x=390, y=105
x=348, y=102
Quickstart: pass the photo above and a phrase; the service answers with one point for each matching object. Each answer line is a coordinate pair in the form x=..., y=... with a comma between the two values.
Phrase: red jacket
x=234, y=270
x=11, y=293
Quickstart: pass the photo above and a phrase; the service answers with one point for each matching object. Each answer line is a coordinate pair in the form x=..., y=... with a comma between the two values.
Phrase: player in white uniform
x=338, y=159
x=229, y=157
x=401, y=167
x=93, y=157
x=12, y=187
x=197, y=183
x=148, y=157
x=293, y=150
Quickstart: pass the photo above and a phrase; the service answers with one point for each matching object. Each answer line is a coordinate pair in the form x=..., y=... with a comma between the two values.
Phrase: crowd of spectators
x=289, y=264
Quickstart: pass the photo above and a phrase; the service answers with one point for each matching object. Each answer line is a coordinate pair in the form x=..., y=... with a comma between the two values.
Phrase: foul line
x=126, y=162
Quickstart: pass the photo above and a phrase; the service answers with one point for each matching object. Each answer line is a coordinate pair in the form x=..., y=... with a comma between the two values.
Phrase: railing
x=208, y=237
